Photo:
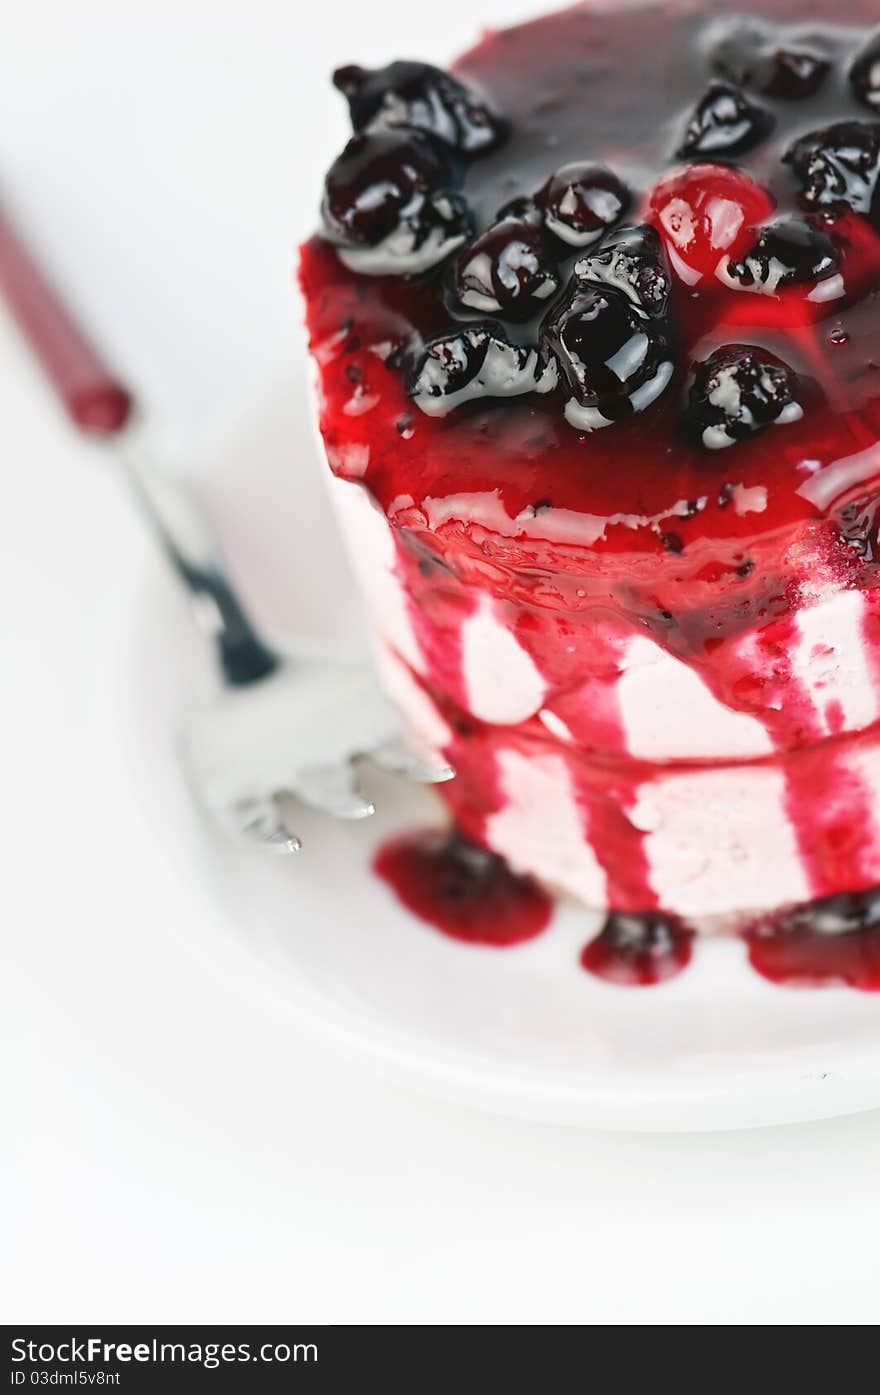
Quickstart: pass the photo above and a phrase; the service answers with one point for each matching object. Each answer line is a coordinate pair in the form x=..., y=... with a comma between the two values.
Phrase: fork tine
x=260, y=820
x=396, y=757
x=332, y=789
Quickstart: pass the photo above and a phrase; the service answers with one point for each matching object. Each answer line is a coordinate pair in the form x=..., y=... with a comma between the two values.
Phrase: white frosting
x=419, y=712
x=503, y=685
x=831, y=663
x=720, y=840
x=667, y=711
x=371, y=550
x=540, y=829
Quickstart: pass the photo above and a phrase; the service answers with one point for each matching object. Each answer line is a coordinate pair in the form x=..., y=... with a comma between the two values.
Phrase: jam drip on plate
x=639, y=950
x=463, y=890
x=833, y=941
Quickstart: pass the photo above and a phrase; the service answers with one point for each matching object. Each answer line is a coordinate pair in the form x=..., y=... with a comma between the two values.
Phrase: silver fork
x=282, y=727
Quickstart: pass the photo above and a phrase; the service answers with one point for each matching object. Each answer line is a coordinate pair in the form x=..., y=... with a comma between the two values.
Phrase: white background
x=177, y=1146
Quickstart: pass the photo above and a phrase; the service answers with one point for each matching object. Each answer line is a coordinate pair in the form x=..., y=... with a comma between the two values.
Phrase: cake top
x=612, y=286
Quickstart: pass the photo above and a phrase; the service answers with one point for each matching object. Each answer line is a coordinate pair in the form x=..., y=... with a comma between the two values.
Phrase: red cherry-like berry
x=706, y=214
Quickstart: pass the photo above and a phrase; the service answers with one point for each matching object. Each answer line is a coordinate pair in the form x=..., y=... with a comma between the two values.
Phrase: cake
x=595, y=319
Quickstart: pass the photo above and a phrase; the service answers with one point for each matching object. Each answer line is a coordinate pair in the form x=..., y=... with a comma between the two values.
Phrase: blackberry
x=632, y=260
x=419, y=96
x=864, y=75
x=506, y=271
x=725, y=122
x=388, y=206
x=614, y=359
x=581, y=201
x=738, y=391
x=786, y=253
x=757, y=56
x=476, y=361
x=838, y=166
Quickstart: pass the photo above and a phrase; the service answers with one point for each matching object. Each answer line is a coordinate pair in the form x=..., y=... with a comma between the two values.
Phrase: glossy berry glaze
x=585, y=539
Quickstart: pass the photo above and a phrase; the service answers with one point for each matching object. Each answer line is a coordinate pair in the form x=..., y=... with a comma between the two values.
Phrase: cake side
x=651, y=654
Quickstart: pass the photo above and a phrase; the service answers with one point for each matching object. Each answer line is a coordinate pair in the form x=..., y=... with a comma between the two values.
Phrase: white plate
x=522, y=1031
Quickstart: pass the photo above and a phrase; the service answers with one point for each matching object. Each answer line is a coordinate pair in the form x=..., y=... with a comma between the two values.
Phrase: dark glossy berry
x=639, y=948
x=752, y=55
x=581, y=201
x=374, y=178
x=737, y=392
x=787, y=253
x=506, y=271
x=725, y=122
x=632, y=260
x=418, y=95
x=795, y=74
x=615, y=359
x=387, y=205
x=705, y=212
x=838, y=165
x=864, y=74
x=476, y=361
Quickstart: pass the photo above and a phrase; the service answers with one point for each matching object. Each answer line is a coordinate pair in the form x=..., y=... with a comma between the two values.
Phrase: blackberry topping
x=739, y=391
x=864, y=75
x=374, y=178
x=838, y=166
x=725, y=122
x=476, y=361
x=418, y=95
x=751, y=56
x=387, y=204
x=506, y=271
x=614, y=358
x=787, y=253
x=581, y=201
x=631, y=260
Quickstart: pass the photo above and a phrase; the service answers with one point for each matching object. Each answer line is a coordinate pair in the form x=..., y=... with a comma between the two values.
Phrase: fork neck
x=243, y=655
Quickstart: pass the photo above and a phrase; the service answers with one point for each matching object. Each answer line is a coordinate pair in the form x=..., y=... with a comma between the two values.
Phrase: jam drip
x=463, y=890
x=639, y=950
x=835, y=940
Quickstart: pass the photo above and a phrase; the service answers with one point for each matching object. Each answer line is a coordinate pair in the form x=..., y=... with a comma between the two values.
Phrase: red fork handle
x=96, y=402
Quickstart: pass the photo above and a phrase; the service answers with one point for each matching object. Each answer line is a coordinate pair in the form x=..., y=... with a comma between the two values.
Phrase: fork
x=282, y=727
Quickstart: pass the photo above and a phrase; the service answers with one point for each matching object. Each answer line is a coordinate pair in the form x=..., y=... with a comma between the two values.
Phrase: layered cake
x=596, y=325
